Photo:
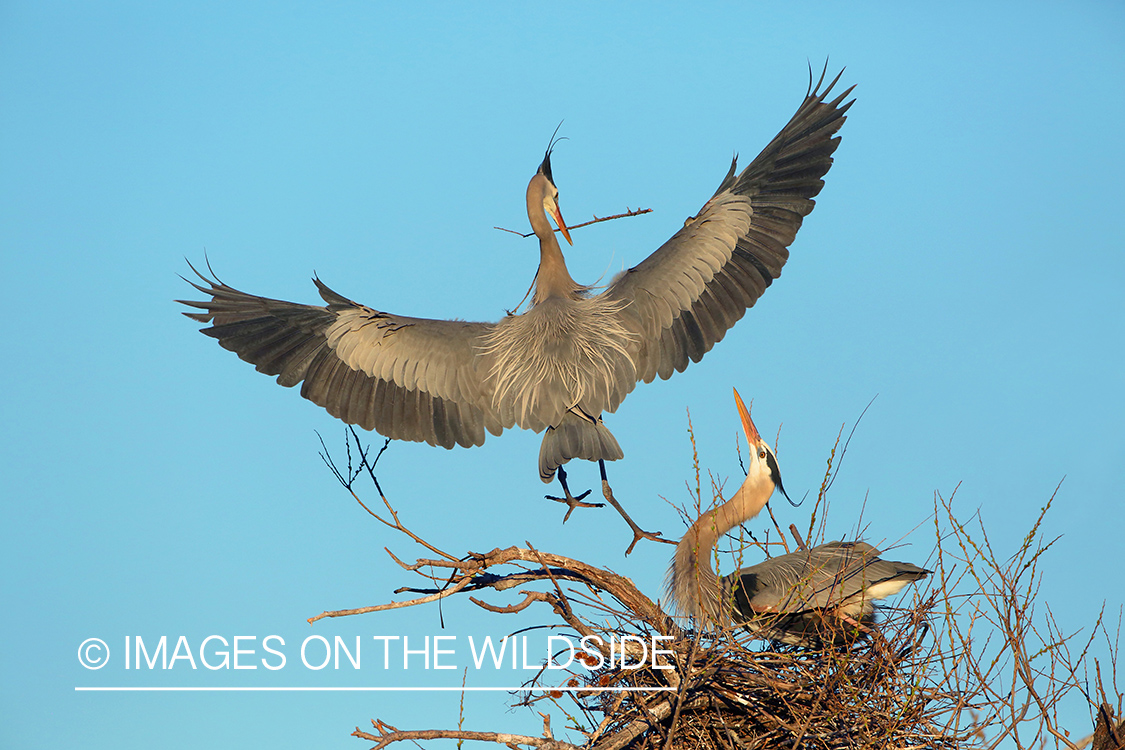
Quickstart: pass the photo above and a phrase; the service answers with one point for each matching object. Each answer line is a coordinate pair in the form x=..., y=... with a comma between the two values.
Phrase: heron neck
x=553, y=278
x=694, y=585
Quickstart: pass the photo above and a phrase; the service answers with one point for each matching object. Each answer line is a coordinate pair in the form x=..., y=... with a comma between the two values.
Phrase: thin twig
x=628, y=212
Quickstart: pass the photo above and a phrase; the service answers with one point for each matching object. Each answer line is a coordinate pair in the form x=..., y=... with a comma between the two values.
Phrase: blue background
x=964, y=262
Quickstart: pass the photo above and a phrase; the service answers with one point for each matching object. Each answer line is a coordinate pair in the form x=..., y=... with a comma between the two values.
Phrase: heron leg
x=859, y=626
x=638, y=533
x=572, y=501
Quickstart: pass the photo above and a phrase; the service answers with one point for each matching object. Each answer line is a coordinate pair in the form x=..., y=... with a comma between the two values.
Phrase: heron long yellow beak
x=556, y=214
x=752, y=435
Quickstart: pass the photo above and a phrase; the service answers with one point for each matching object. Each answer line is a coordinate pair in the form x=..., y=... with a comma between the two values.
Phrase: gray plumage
x=785, y=598
x=574, y=355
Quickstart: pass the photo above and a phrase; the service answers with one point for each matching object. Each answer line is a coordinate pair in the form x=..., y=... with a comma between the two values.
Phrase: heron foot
x=571, y=501
x=638, y=532
x=574, y=502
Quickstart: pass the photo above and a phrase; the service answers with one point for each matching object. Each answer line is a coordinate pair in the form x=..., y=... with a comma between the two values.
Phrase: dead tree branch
x=386, y=735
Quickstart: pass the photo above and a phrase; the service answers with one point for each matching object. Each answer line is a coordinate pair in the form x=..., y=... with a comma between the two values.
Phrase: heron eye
x=761, y=454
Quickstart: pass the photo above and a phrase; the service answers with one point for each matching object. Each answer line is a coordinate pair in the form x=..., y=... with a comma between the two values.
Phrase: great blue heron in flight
x=784, y=598
x=574, y=354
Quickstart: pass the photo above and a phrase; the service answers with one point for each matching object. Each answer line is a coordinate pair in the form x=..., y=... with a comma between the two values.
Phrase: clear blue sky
x=964, y=262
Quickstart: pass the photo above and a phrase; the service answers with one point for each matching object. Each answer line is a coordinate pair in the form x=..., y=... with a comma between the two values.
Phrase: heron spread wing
x=407, y=378
x=684, y=297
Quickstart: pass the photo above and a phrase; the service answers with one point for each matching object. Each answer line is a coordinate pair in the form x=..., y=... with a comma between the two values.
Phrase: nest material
x=992, y=670
x=733, y=696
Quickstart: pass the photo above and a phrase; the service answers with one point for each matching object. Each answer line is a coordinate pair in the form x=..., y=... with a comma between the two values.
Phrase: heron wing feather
x=827, y=575
x=685, y=296
x=407, y=378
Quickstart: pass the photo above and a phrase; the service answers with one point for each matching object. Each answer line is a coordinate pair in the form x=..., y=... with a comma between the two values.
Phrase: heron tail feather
x=578, y=435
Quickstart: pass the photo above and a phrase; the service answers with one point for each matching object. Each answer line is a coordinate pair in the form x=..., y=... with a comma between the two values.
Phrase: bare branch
x=392, y=605
x=386, y=735
x=628, y=212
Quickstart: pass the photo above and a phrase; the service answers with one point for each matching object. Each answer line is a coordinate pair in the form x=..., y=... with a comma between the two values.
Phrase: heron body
x=574, y=355
x=783, y=598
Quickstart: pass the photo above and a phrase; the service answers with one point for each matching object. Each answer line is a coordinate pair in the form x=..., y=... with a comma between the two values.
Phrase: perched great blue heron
x=784, y=598
x=573, y=355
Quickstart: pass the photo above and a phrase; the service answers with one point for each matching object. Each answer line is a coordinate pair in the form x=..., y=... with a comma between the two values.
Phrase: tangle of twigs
x=974, y=661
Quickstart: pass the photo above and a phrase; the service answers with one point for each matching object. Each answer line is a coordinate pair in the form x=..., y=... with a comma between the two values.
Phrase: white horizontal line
x=299, y=689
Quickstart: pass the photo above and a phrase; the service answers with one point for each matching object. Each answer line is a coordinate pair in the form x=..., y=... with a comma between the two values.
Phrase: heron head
x=763, y=463
x=542, y=189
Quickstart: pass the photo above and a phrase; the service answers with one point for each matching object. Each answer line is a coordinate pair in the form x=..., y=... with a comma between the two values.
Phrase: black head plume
x=775, y=474
x=545, y=167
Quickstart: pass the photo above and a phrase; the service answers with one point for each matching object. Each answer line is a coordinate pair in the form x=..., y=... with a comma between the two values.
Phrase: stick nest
x=738, y=695
x=969, y=663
